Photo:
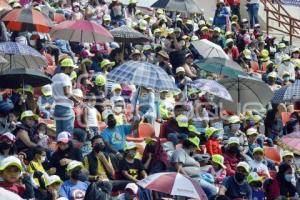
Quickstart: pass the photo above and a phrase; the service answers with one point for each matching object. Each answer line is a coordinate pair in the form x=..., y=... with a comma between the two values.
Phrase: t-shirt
x=16, y=188
x=73, y=191
x=260, y=168
x=59, y=81
x=134, y=169
x=235, y=190
x=181, y=156
x=116, y=137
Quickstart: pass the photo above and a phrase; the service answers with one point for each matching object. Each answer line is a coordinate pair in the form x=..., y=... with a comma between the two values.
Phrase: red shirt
x=232, y=2
x=16, y=188
x=230, y=162
x=213, y=147
x=234, y=53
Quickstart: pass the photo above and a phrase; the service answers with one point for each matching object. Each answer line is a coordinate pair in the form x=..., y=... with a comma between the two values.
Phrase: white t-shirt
x=259, y=168
x=59, y=81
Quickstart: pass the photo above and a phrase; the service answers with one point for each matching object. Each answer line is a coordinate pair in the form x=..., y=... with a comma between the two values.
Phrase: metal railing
x=287, y=24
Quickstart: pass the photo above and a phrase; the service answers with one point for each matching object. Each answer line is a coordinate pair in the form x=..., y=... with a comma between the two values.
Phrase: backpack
x=98, y=191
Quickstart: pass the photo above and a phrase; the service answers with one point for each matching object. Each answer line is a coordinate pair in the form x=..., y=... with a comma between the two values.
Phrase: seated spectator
x=213, y=145
x=232, y=155
x=256, y=183
x=7, y=145
x=46, y=102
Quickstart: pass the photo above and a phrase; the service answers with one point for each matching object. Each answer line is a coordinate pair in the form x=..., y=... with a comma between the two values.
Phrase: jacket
x=213, y=146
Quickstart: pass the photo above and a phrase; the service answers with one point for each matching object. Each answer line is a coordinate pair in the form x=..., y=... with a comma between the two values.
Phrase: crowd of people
x=70, y=140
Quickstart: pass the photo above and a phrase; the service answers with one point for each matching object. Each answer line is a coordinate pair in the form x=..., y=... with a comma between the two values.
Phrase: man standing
x=62, y=93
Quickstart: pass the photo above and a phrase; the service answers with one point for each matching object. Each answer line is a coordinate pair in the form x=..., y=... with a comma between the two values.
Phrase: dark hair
x=38, y=150
x=186, y=144
x=95, y=138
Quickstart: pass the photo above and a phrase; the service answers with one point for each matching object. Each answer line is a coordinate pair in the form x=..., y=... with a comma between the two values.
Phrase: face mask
x=5, y=145
x=99, y=147
x=230, y=45
x=131, y=154
x=43, y=158
x=32, y=42
x=234, y=150
x=118, y=109
x=181, y=76
x=286, y=78
x=111, y=123
x=76, y=174
x=239, y=177
x=289, y=177
x=257, y=184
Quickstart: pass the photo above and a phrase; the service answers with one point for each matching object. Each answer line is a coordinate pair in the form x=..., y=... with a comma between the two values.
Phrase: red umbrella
x=81, y=31
x=291, y=142
x=27, y=19
x=58, y=17
x=4, y=5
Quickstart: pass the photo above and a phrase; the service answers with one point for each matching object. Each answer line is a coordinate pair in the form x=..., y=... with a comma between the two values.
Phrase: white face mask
x=43, y=158
x=118, y=109
x=32, y=42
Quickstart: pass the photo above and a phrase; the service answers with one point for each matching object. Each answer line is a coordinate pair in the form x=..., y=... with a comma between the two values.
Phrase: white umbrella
x=174, y=184
x=247, y=93
x=8, y=195
x=208, y=49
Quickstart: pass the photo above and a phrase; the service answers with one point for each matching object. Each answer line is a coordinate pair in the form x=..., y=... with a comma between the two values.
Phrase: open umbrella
x=208, y=49
x=20, y=56
x=17, y=78
x=292, y=93
x=174, y=184
x=81, y=31
x=27, y=19
x=142, y=74
x=221, y=66
x=212, y=87
x=247, y=93
x=4, y=7
x=278, y=95
x=186, y=6
x=2, y=60
x=126, y=34
x=291, y=142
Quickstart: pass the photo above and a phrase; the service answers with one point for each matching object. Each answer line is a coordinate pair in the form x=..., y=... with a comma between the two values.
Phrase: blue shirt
x=235, y=190
x=116, y=137
x=73, y=191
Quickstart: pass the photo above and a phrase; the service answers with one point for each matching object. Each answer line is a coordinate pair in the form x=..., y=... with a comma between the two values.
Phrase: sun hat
x=194, y=38
x=251, y=131
x=179, y=69
x=26, y=88
x=106, y=18
x=52, y=179
x=287, y=153
x=68, y=62
x=195, y=140
x=193, y=129
x=258, y=150
x=217, y=29
x=233, y=140
x=182, y=121
x=100, y=80
x=272, y=75
x=63, y=137
x=160, y=11
x=163, y=54
x=247, y=54
x=234, y=119
x=204, y=28
x=219, y=159
x=77, y=93
x=281, y=45
x=10, y=161
x=106, y=62
x=132, y=187
x=29, y=113
x=74, y=164
x=116, y=87
x=286, y=57
x=210, y=131
x=47, y=90
x=229, y=40
x=130, y=146
x=244, y=165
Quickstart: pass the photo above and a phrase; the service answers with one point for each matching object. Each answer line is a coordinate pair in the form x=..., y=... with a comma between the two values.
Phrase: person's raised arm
x=23, y=136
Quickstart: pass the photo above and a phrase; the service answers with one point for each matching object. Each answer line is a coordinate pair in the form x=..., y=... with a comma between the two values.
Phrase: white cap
x=180, y=69
x=73, y=164
x=63, y=137
x=9, y=136
x=77, y=93
x=10, y=161
x=133, y=187
x=47, y=90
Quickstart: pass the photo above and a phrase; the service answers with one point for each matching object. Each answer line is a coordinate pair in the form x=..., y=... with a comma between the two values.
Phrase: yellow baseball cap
x=73, y=75
x=68, y=62
x=287, y=153
x=258, y=150
x=254, y=177
x=219, y=159
x=193, y=129
x=160, y=11
x=234, y=119
x=106, y=62
x=247, y=54
x=233, y=140
x=116, y=87
x=74, y=164
x=100, y=80
x=182, y=121
x=195, y=140
x=129, y=146
x=106, y=18
x=251, y=131
x=26, y=88
x=47, y=90
x=29, y=113
x=244, y=165
x=52, y=179
x=10, y=161
x=210, y=131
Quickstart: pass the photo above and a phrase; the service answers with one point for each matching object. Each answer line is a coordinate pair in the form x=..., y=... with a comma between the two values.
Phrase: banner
x=290, y=2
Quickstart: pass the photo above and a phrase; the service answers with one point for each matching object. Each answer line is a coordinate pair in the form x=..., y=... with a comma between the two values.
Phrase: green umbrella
x=221, y=66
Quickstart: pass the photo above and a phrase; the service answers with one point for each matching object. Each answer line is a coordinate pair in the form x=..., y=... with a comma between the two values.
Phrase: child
x=256, y=183
x=252, y=137
x=92, y=115
x=46, y=102
x=218, y=169
x=10, y=171
x=118, y=110
x=53, y=184
x=257, y=164
x=43, y=137
x=213, y=143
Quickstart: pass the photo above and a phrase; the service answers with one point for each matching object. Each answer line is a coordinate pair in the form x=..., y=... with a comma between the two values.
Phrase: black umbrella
x=126, y=34
x=17, y=78
x=186, y=6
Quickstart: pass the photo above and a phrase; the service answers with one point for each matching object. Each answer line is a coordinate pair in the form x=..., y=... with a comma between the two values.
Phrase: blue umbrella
x=292, y=93
x=20, y=56
x=278, y=96
x=212, y=87
x=142, y=74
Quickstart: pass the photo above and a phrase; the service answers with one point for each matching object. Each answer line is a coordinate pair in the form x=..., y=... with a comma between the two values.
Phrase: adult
x=252, y=8
x=232, y=155
x=62, y=93
x=221, y=15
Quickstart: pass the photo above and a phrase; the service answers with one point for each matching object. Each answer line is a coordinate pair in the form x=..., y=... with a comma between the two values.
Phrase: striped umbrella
x=292, y=92
x=126, y=34
x=81, y=31
x=142, y=74
x=174, y=184
x=278, y=95
x=20, y=56
x=27, y=19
